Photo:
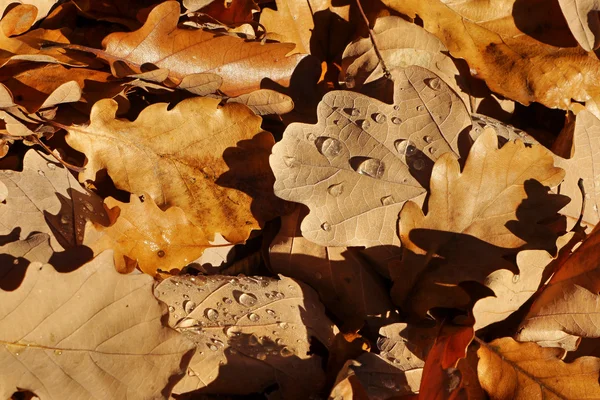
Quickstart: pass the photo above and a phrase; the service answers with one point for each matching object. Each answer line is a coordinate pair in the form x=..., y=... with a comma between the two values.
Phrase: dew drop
x=372, y=167
x=212, y=347
x=396, y=121
x=431, y=150
x=516, y=278
x=434, y=83
x=171, y=309
x=16, y=261
x=58, y=352
x=355, y=112
x=217, y=343
x=405, y=147
x=41, y=173
x=379, y=118
x=189, y=306
x=286, y=352
x=188, y=323
x=227, y=300
x=420, y=108
x=261, y=356
x=253, y=317
x=211, y=314
x=283, y=325
x=427, y=139
x=51, y=166
x=329, y=147
x=191, y=373
x=419, y=164
x=291, y=162
x=336, y=189
x=247, y=299
x=271, y=312
x=88, y=206
x=387, y=201
x=160, y=253
x=326, y=226
x=65, y=219
x=365, y=124
x=253, y=340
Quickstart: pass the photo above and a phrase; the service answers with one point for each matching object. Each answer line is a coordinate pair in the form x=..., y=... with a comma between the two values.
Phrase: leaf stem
x=386, y=71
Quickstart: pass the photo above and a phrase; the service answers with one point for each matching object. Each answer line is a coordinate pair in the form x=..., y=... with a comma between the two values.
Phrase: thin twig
x=386, y=72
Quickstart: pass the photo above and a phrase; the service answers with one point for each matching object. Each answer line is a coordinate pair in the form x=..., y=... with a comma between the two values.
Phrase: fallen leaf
x=347, y=285
x=81, y=337
x=476, y=217
x=521, y=54
x=582, y=17
x=441, y=378
x=46, y=198
x=583, y=163
x=523, y=371
x=568, y=307
x=353, y=168
x=185, y=52
x=182, y=155
x=265, y=102
x=141, y=233
x=249, y=332
x=42, y=7
x=401, y=44
x=16, y=256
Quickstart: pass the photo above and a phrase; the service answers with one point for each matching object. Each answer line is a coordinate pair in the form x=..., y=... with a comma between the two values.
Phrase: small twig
x=386, y=72
x=64, y=163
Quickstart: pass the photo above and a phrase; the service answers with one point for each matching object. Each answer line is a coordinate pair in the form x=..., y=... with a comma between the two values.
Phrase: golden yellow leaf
x=186, y=157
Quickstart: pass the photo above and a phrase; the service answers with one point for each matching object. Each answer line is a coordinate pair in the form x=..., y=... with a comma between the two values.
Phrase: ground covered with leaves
x=320, y=199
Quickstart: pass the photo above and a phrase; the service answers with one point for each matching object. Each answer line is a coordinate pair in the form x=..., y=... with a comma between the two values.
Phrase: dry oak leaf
x=521, y=53
x=509, y=370
x=265, y=102
x=401, y=44
x=357, y=166
x=476, y=217
x=242, y=64
x=26, y=47
x=16, y=256
x=142, y=234
x=42, y=7
x=46, y=198
x=569, y=306
x=584, y=163
x=185, y=157
x=347, y=285
x=583, y=20
x=77, y=335
x=250, y=333
x=294, y=22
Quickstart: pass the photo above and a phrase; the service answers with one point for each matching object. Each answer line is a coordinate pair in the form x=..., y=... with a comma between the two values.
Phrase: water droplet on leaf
x=379, y=118
x=329, y=147
x=372, y=167
x=405, y=147
x=387, y=201
x=247, y=299
x=434, y=83
x=336, y=189
x=211, y=314
x=326, y=226
x=253, y=317
x=189, y=306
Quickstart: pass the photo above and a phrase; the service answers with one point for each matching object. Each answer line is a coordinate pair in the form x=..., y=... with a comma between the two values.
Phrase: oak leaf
x=16, y=256
x=568, y=307
x=180, y=157
x=521, y=54
x=265, y=102
x=81, y=337
x=41, y=7
x=249, y=333
x=363, y=159
x=46, y=198
x=582, y=17
x=142, y=234
x=476, y=217
x=521, y=371
x=584, y=163
x=186, y=52
x=346, y=284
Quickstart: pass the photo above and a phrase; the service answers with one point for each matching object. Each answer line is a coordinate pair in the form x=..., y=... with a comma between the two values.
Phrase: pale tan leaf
x=523, y=371
x=186, y=157
x=476, y=217
x=582, y=17
x=189, y=51
x=347, y=386
x=584, y=163
x=357, y=166
x=16, y=256
x=265, y=102
x=42, y=6
x=144, y=234
x=201, y=84
x=346, y=284
x=249, y=333
x=401, y=44
x=569, y=306
x=46, y=198
x=90, y=333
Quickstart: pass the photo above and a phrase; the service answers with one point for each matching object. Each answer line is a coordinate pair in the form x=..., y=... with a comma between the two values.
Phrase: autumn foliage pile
x=215, y=199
